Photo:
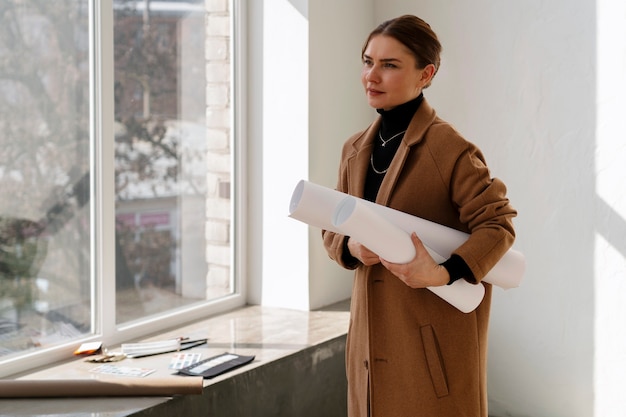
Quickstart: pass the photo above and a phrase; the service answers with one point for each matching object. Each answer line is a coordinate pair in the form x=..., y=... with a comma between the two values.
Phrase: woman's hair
x=416, y=35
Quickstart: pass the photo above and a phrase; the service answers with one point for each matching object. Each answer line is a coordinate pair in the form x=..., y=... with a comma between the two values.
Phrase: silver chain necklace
x=390, y=139
x=374, y=168
x=384, y=171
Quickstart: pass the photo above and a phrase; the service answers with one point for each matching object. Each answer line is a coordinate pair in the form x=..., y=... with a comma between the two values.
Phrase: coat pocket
x=434, y=361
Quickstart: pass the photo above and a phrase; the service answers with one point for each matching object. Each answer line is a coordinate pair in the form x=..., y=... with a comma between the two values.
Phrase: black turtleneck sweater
x=394, y=124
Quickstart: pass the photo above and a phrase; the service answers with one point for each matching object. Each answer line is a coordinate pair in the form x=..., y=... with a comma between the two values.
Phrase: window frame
x=102, y=208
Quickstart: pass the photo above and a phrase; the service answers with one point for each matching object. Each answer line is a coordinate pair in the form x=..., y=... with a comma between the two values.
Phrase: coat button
x=366, y=364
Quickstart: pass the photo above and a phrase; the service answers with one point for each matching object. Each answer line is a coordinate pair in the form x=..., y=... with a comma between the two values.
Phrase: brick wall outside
x=219, y=129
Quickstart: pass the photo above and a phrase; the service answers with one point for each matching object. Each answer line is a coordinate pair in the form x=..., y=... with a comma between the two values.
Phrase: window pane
x=172, y=155
x=45, y=223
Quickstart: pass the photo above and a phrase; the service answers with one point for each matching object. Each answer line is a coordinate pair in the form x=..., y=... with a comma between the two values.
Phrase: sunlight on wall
x=610, y=242
x=285, y=152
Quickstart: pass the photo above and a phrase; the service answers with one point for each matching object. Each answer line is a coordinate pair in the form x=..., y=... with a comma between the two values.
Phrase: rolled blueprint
x=118, y=387
x=379, y=235
x=315, y=205
x=395, y=245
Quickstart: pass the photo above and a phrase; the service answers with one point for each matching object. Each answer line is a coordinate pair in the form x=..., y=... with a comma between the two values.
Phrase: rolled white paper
x=105, y=387
x=461, y=294
x=314, y=204
x=507, y=273
x=375, y=232
x=395, y=245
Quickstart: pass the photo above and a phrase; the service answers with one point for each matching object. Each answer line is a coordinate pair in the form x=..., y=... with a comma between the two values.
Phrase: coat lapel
x=358, y=163
x=420, y=123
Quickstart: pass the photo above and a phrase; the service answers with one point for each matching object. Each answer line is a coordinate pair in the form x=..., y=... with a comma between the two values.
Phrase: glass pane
x=45, y=224
x=172, y=155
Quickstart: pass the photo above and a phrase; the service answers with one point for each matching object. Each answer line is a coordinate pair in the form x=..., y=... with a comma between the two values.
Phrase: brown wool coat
x=410, y=352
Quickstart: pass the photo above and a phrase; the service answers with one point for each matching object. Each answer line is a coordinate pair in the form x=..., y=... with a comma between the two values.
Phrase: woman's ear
x=427, y=75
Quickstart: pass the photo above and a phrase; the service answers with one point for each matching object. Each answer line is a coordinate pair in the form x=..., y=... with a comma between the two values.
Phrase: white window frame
x=103, y=312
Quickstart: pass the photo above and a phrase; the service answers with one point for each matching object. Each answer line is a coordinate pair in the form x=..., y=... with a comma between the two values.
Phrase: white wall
x=610, y=209
x=337, y=110
x=304, y=101
x=285, y=133
x=539, y=86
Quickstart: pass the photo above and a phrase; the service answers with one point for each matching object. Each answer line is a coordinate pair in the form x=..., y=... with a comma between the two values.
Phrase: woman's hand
x=366, y=256
x=422, y=271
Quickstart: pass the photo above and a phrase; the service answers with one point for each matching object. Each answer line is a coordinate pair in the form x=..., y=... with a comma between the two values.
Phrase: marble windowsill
x=268, y=333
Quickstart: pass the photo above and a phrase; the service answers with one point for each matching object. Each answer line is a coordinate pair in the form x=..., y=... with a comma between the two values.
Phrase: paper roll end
x=296, y=196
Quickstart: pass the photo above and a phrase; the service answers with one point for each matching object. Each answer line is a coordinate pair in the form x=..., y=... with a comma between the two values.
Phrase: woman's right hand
x=363, y=254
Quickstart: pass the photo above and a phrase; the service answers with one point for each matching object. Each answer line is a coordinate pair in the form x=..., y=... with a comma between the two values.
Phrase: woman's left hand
x=422, y=271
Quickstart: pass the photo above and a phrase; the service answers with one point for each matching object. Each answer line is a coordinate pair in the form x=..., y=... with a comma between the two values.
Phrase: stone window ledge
x=298, y=366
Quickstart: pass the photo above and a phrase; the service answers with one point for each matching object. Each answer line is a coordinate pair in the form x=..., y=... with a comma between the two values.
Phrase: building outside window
x=171, y=168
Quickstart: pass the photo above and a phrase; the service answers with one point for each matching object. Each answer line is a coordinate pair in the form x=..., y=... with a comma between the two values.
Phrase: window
x=170, y=171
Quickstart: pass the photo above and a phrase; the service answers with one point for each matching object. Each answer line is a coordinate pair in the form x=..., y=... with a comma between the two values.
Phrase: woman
x=409, y=353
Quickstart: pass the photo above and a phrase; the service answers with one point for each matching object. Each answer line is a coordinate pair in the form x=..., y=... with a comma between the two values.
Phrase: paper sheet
x=338, y=212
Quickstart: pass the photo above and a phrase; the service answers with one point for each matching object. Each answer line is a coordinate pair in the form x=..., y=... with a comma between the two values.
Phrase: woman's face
x=390, y=75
